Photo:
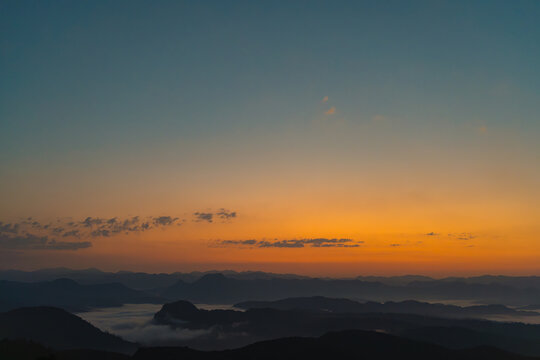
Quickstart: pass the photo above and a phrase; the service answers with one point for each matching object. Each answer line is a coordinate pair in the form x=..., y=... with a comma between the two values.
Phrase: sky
x=327, y=138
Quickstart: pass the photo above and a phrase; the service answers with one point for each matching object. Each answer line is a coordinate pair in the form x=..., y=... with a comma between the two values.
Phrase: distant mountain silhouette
x=134, y=280
x=58, y=329
x=520, y=282
x=68, y=294
x=395, y=280
x=321, y=303
x=226, y=327
x=257, y=285
x=217, y=288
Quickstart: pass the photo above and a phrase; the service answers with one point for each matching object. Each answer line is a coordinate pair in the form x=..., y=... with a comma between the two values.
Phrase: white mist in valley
x=133, y=322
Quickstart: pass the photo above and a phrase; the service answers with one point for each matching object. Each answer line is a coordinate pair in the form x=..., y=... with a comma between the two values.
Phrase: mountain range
x=50, y=333
x=217, y=288
x=325, y=304
x=70, y=295
x=230, y=328
x=220, y=289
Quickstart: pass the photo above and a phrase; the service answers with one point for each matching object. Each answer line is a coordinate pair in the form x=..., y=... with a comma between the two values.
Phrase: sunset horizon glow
x=321, y=140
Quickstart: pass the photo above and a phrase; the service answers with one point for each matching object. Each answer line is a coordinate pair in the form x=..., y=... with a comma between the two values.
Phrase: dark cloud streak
x=294, y=243
x=202, y=216
x=31, y=234
x=33, y=242
x=9, y=228
x=223, y=214
x=164, y=220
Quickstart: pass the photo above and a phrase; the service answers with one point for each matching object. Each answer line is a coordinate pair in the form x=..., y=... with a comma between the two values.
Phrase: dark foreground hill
x=352, y=344
x=344, y=345
x=58, y=329
x=29, y=350
x=68, y=294
x=229, y=328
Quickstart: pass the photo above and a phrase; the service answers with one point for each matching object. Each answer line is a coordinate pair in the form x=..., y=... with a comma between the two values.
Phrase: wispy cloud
x=238, y=242
x=209, y=216
x=457, y=236
x=462, y=236
x=226, y=214
x=72, y=233
x=331, y=111
x=133, y=322
x=89, y=222
x=112, y=226
x=292, y=243
x=204, y=216
x=325, y=99
x=164, y=220
x=32, y=234
x=33, y=242
x=9, y=228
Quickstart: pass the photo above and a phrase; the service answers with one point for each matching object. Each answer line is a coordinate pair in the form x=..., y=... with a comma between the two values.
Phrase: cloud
x=99, y=227
x=325, y=99
x=395, y=245
x=133, y=322
x=29, y=230
x=239, y=242
x=101, y=232
x=67, y=245
x=72, y=233
x=327, y=242
x=457, y=236
x=58, y=230
x=293, y=243
x=463, y=236
x=226, y=214
x=281, y=244
x=202, y=216
x=164, y=220
x=151, y=333
x=33, y=242
x=9, y=228
x=112, y=226
x=331, y=111
x=89, y=221
x=209, y=216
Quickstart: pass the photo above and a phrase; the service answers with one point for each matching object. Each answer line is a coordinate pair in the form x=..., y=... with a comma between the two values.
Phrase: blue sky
x=88, y=74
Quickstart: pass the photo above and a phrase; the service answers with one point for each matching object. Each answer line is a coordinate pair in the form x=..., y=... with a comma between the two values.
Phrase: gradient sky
x=404, y=137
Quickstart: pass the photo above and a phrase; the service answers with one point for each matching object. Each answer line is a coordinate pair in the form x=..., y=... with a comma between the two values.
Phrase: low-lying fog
x=133, y=322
